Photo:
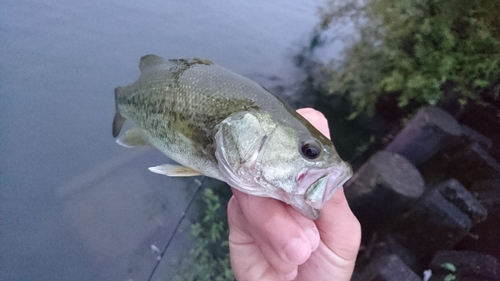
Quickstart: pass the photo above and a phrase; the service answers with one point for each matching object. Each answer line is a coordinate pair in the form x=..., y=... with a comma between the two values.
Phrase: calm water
x=74, y=205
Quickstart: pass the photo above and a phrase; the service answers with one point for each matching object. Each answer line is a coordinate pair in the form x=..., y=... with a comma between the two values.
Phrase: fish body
x=217, y=123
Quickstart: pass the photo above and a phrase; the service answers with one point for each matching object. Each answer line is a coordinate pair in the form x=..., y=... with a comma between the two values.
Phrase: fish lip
x=311, y=176
x=335, y=177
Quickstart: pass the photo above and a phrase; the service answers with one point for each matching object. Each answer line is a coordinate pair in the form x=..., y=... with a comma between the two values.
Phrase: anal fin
x=173, y=170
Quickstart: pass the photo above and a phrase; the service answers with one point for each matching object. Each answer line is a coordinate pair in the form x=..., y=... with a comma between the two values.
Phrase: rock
x=433, y=224
x=486, y=235
x=456, y=193
x=427, y=133
x=484, y=118
x=474, y=136
x=468, y=265
x=390, y=246
x=472, y=164
x=387, y=268
x=383, y=188
x=488, y=193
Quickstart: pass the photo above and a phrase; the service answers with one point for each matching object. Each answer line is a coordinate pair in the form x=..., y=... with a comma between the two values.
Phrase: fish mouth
x=325, y=185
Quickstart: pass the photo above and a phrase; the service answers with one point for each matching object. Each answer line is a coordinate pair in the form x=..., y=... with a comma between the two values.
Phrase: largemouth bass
x=216, y=123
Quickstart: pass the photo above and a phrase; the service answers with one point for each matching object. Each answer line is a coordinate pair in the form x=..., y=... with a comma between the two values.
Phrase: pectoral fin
x=173, y=170
x=132, y=138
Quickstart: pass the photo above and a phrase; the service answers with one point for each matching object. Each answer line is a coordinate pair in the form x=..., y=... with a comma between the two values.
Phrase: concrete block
x=474, y=136
x=472, y=164
x=488, y=193
x=469, y=265
x=456, y=193
x=425, y=135
x=382, y=189
x=484, y=118
x=391, y=246
x=433, y=224
x=387, y=268
x=485, y=236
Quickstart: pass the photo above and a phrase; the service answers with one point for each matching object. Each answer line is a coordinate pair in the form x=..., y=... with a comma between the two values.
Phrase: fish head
x=288, y=161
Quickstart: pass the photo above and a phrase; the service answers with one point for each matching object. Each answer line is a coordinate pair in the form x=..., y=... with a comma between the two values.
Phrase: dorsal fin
x=203, y=61
x=148, y=61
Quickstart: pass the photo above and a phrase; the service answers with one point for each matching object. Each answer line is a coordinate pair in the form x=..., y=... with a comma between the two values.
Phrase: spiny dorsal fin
x=203, y=61
x=148, y=61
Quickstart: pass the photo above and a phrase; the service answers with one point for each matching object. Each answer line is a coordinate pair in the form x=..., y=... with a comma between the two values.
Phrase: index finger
x=316, y=118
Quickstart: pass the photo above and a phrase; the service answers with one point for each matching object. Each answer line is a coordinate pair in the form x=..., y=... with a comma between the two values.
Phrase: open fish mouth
x=326, y=184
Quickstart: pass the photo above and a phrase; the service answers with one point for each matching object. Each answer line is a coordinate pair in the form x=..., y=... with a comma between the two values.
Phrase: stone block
x=433, y=224
x=387, y=268
x=468, y=265
x=474, y=136
x=456, y=193
x=383, y=188
x=425, y=135
x=472, y=164
x=484, y=119
x=488, y=193
x=390, y=246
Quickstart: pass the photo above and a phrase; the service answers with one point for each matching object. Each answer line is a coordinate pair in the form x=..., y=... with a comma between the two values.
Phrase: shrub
x=416, y=51
x=209, y=257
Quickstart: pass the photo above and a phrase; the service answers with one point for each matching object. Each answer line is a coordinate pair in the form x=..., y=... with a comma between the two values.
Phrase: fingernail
x=297, y=251
x=291, y=275
x=313, y=237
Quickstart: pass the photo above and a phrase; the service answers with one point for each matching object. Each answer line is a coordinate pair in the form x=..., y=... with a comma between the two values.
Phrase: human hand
x=269, y=240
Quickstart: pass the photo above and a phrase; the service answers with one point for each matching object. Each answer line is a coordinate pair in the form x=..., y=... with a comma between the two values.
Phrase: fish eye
x=311, y=150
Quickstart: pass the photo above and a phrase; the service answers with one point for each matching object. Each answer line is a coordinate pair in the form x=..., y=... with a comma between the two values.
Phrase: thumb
x=340, y=230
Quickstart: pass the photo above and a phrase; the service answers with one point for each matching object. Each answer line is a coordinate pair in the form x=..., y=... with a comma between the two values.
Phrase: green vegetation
x=209, y=257
x=363, y=146
x=417, y=52
x=449, y=267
